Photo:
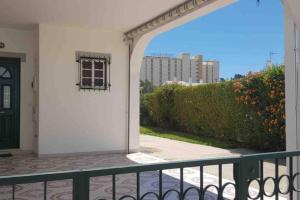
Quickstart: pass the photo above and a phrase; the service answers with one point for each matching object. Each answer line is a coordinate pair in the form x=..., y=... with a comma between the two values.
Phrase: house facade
x=56, y=116
x=70, y=74
x=70, y=70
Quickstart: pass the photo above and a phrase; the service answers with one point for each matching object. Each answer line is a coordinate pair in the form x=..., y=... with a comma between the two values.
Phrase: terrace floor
x=101, y=187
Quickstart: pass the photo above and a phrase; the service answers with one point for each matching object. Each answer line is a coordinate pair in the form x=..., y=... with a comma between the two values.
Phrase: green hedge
x=216, y=110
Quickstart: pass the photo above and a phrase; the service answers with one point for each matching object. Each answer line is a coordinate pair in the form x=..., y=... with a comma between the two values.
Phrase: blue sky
x=240, y=36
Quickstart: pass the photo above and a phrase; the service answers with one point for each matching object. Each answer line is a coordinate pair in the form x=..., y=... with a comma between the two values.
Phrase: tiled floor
x=28, y=163
x=58, y=190
x=155, y=150
x=101, y=187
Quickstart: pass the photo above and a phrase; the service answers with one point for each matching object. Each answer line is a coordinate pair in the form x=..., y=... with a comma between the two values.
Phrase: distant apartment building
x=160, y=69
x=210, y=71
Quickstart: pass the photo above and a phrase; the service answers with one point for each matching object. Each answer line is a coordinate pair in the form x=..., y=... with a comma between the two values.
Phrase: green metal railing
x=246, y=169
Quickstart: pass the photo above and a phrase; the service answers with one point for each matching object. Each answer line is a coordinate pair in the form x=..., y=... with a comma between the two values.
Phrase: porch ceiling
x=115, y=14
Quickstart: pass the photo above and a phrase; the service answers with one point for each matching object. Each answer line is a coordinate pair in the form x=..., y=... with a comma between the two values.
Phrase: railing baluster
x=201, y=181
x=276, y=179
x=160, y=184
x=220, y=181
x=45, y=190
x=291, y=179
x=241, y=179
x=13, y=191
x=83, y=186
x=137, y=185
x=181, y=183
x=114, y=187
x=261, y=182
x=75, y=185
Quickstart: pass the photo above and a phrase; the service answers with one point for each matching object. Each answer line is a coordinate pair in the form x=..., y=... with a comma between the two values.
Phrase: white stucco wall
x=70, y=120
x=291, y=21
x=292, y=74
x=22, y=41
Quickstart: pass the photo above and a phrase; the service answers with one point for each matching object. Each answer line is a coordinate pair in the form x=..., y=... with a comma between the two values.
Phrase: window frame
x=105, y=73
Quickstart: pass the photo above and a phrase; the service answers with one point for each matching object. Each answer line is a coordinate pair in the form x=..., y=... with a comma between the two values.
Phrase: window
x=94, y=73
x=4, y=73
x=6, y=101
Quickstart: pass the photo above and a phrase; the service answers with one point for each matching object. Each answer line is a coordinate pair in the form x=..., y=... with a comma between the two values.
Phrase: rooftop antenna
x=270, y=59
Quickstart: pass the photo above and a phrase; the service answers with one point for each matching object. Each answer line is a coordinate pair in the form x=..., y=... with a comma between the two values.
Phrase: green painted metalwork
x=247, y=168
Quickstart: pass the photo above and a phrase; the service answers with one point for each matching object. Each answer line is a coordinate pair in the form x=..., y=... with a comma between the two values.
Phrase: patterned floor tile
x=101, y=187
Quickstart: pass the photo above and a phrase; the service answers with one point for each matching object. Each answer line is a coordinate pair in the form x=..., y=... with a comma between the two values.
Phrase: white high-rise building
x=210, y=71
x=160, y=69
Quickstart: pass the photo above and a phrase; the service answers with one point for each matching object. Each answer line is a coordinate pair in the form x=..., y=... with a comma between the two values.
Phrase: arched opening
x=138, y=45
x=269, y=55
x=241, y=47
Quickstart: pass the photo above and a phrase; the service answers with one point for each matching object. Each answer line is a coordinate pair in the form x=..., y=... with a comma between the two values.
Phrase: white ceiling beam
x=166, y=17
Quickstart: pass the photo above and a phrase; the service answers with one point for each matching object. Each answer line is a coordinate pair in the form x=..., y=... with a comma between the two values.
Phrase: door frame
x=16, y=98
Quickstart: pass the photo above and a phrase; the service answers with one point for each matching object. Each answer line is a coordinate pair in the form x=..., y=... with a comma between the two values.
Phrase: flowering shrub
x=264, y=93
x=248, y=112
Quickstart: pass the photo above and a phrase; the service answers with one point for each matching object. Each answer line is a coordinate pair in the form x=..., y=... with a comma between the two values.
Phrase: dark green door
x=9, y=103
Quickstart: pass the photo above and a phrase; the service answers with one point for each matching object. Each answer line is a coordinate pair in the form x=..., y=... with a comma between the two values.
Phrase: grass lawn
x=159, y=132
